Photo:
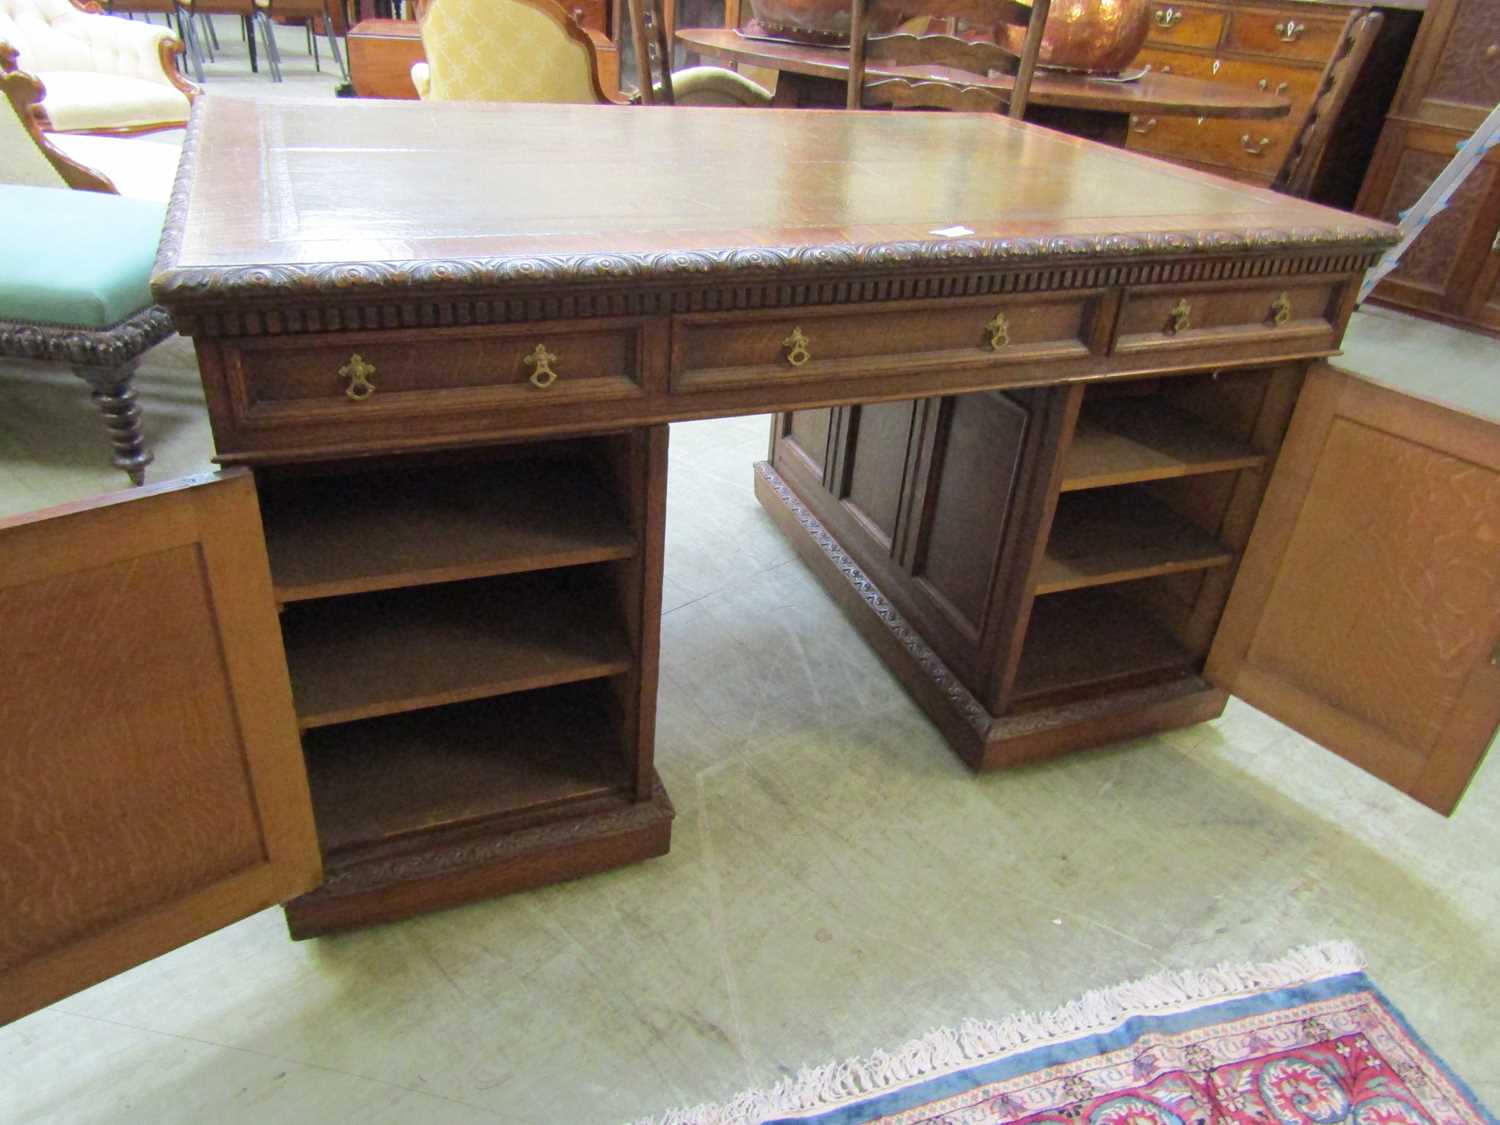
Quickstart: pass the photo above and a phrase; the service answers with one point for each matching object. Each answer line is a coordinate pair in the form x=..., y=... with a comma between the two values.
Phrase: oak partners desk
x=403, y=653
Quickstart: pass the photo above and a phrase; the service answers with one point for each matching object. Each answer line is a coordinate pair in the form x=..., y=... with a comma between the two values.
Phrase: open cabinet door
x=151, y=779
x=1366, y=613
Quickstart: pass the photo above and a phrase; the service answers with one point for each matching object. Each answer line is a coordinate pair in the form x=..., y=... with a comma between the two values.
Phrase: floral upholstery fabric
x=503, y=51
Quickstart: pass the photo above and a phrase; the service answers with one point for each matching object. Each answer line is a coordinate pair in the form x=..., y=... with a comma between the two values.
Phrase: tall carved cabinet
x=1452, y=271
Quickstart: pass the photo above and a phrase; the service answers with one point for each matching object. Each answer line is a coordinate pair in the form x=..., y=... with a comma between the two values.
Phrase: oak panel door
x=151, y=779
x=1366, y=613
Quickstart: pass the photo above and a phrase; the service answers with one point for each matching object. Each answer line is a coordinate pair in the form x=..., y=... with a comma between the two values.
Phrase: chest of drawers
x=1280, y=47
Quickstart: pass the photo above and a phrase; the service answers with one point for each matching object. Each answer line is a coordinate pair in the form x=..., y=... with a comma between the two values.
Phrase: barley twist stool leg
x=114, y=393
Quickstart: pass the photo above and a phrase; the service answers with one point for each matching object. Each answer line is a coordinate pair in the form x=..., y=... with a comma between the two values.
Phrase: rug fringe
x=824, y=1088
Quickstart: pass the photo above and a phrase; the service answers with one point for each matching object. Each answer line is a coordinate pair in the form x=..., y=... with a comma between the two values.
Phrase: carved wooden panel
x=807, y=432
x=875, y=466
x=1468, y=72
x=973, y=475
x=1368, y=604
x=151, y=764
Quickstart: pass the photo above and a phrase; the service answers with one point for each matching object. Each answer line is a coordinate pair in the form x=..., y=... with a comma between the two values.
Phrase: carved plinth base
x=982, y=740
x=448, y=867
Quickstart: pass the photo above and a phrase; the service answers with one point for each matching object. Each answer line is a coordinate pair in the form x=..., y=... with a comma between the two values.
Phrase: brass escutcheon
x=1180, y=318
x=541, y=361
x=999, y=331
x=358, y=372
x=796, y=345
x=1281, y=309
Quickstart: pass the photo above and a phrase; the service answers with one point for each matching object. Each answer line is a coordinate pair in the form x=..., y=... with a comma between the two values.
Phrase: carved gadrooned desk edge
x=280, y=298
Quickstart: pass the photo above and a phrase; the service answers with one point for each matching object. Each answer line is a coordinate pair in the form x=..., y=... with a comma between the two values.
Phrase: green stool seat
x=79, y=258
x=75, y=287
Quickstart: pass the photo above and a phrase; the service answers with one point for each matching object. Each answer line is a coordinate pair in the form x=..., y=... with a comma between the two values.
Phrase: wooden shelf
x=377, y=654
x=1125, y=440
x=518, y=756
x=364, y=531
x=1119, y=535
x=1091, y=638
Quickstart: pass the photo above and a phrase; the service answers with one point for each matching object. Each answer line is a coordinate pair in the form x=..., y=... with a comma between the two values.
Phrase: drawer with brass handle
x=1310, y=37
x=1164, y=317
x=1185, y=25
x=712, y=351
x=356, y=377
x=1185, y=64
x=1298, y=84
x=1258, y=146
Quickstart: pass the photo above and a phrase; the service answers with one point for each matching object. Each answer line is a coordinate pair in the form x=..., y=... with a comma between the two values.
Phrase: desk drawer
x=1256, y=146
x=1167, y=317
x=364, y=375
x=1287, y=35
x=712, y=351
x=1297, y=83
x=1184, y=64
x=1183, y=25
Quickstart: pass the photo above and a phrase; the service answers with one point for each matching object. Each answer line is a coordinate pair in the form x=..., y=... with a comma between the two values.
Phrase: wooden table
x=1059, y=374
x=1089, y=107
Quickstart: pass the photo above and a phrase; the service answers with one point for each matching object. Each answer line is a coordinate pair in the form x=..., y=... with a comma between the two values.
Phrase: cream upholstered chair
x=505, y=51
x=101, y=73
x=694, y=85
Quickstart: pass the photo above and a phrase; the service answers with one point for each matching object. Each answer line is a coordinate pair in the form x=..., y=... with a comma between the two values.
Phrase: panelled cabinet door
x=151, y=778
x=1366, y=613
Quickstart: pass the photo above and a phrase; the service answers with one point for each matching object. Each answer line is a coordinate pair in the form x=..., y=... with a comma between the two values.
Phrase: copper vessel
x=1097, y=36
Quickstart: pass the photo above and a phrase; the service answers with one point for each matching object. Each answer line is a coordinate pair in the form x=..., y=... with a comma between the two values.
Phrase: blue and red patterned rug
x=1307, y=1040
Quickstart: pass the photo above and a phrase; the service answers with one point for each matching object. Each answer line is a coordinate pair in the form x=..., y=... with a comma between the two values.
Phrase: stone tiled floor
x=837, y=882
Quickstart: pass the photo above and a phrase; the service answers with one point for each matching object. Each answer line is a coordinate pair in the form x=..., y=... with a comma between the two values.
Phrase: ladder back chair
x=1305, y=157
x=974, y=57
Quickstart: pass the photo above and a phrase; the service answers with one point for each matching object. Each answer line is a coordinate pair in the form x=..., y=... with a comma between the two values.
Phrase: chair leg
x=213, y=35
x=114, y=394
x=190, y=41
x=209, y=42
x=333, y=41
x=312, y=47
x=273, y=53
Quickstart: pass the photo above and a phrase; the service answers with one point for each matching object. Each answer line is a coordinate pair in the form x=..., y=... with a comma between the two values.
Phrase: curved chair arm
x=715, y=85
x=24, y=92
x=137, y=50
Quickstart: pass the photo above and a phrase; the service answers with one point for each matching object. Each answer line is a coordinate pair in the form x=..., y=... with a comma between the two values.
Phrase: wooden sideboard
x=1452, y=271
x=1280, y=46
x=404, y=652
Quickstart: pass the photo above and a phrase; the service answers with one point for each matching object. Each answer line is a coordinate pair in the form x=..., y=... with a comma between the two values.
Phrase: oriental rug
x=1306, y=1040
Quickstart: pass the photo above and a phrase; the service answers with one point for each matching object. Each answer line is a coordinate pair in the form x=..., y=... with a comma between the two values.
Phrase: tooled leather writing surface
x=294, y=184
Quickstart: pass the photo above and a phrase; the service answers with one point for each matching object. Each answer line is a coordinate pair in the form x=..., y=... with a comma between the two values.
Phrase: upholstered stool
x=75, y=289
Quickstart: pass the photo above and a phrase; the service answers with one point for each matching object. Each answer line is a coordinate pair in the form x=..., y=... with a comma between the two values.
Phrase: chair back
x=49, y=34
x=1305, y=157
x=653, y=53
x=508, y=51
x=957, y=55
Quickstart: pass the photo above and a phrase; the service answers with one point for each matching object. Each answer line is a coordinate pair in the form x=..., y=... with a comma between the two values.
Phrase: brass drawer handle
x=999, y=329
x=1180, y=319
x=1144, y=126
x=1254, y=149
x=1265, y=84
x=358, y=372
x=1167, y=18
x=1289, y=31
x=541, y=361
x=796, y=345
x=1166, y=69
x=1281, y=309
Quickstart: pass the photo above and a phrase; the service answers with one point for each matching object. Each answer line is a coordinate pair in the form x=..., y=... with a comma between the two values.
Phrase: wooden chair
x=75, y=282
x=696, y=85
x=1305, y=157
x=969, y=56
